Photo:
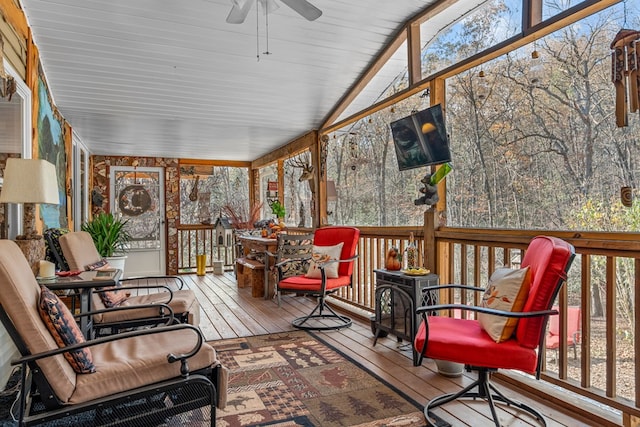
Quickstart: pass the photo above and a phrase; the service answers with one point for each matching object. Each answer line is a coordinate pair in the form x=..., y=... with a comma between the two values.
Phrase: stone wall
x=100, y=188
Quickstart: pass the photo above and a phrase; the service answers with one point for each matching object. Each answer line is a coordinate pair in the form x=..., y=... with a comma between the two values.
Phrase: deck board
x=230, y=312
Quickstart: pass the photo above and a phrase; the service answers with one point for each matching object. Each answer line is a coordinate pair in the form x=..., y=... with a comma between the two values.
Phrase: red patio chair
x=465, y=341
x=323, y=317
x=574, y=326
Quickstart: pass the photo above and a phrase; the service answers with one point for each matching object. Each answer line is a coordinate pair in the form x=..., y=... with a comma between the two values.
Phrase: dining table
x=263, y=247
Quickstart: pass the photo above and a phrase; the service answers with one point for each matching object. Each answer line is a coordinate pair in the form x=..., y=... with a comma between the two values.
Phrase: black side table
x=83, y=284
x=397, y=297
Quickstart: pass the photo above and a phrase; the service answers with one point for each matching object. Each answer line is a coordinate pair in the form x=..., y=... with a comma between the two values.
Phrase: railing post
x=429, y=241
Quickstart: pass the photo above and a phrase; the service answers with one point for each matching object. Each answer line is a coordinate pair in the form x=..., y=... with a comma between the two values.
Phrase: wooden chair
x=465, y=340
x=326, y=280
x=145, y=377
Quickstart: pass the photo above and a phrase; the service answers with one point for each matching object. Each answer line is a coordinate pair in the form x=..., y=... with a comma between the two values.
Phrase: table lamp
x=30, y=181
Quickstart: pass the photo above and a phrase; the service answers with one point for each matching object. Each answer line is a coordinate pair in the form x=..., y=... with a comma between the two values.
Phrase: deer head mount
x=303, y=161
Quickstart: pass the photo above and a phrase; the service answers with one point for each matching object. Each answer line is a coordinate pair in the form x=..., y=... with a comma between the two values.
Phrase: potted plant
x=278, y=210
x=110, y=237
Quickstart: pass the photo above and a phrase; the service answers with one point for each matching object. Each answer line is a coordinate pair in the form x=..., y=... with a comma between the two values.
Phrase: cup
x=201, y=264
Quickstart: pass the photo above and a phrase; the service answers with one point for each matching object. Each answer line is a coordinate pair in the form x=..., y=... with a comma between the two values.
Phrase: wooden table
x=263, y=246
x=83, y=284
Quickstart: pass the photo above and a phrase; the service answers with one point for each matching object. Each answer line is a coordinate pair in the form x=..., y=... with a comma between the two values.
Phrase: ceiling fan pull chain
x=257, y=32
x=266, y=20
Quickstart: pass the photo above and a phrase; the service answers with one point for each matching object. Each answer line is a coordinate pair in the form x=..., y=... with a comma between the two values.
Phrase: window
x=205, y=190
x=467, y=29
x=535, y=142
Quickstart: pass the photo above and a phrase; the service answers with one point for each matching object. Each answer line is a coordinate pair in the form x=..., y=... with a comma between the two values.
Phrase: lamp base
x=34, y=251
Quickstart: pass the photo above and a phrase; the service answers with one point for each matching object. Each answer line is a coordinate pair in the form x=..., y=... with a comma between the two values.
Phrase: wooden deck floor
x=230, y=312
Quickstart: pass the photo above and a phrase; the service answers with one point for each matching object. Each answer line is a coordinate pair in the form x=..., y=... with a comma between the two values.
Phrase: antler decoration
x=8, y=85
x=625, y=73
x=303, y=161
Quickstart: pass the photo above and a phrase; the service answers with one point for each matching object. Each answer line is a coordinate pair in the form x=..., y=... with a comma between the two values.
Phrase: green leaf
x=109, y=234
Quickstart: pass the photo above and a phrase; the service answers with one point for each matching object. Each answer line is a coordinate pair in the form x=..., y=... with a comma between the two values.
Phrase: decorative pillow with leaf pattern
x=287, y=250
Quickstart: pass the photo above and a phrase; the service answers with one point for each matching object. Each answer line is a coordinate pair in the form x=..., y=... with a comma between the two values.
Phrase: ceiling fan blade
x=304, y=8
x=238, y=12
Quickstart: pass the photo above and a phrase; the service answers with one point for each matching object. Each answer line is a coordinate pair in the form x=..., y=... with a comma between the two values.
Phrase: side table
x=83, y=284
x=396, y=299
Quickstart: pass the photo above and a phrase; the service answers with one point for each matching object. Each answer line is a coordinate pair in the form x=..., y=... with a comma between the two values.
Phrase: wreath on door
x=134, y=200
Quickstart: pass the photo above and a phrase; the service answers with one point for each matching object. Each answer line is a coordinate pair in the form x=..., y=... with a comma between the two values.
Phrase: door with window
x=137, y=195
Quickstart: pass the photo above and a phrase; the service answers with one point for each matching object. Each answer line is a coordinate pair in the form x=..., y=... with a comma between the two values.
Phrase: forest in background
x=534, y=141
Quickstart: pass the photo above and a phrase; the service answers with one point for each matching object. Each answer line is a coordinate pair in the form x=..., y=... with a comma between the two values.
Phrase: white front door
x=137, y=195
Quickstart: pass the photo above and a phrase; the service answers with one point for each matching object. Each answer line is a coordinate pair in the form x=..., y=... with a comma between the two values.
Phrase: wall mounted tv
x=421, y=139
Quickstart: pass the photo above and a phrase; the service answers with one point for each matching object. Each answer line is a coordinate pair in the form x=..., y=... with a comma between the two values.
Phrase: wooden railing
x=603, y=281
x=201, y=239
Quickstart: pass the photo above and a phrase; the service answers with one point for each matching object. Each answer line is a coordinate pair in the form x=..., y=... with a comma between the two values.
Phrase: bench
x=250, y=273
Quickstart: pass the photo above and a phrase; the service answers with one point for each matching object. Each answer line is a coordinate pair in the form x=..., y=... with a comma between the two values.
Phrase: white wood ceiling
x=171, y=78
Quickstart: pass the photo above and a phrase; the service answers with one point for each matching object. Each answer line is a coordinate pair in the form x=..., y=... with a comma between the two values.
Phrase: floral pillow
x=64, y=330
x=507, y=291
x=322, y=254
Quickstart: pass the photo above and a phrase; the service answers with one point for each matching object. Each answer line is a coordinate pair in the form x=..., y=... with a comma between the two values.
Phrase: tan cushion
x=182, y=302
x=322, y=254
x=125, y=364
x=19, y=298
x=79, y=250
x=508, y=291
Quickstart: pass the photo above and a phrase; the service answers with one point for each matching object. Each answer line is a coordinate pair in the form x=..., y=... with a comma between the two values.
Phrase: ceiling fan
x=240, y=9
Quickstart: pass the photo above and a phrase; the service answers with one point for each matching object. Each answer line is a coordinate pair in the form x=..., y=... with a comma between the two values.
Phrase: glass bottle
x=440, y=173
x=411, y=253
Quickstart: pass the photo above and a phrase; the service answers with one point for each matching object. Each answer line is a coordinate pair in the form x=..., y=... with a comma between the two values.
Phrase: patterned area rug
x=296, y=379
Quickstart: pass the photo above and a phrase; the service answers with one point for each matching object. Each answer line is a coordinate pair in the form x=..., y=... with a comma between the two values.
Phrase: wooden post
x=430, y=250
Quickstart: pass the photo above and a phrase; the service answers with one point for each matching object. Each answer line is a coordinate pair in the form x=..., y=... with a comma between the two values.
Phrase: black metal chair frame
x=485, y=389
x=38, y=403
x=107, y=328
x=319, y=312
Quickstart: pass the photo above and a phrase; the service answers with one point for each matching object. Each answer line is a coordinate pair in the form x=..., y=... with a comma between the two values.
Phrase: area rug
x=297, y=379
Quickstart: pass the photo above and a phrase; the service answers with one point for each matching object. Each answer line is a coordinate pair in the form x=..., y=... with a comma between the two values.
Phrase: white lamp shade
x=29, y=181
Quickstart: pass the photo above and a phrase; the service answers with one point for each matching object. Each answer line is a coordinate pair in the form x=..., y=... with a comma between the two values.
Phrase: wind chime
x=625, y=73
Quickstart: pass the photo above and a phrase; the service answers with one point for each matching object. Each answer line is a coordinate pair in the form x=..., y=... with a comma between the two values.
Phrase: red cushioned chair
x=465, y=341
x=323, y=317
x=574, y=319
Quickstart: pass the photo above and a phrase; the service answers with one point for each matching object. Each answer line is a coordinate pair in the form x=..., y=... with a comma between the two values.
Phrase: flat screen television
x=421, y=139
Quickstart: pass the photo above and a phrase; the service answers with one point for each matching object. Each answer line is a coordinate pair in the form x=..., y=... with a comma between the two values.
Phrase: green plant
x=277, y=209
x=108, y=233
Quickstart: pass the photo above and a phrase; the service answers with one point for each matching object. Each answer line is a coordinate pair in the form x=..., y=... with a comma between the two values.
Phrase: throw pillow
x=98, y=265
x=64, y=330
x=288, y=250
x=507, y=291
x=112, y=297
x=322, y=254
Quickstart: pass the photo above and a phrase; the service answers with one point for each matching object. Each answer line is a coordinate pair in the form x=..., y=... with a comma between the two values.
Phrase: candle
x=47, y=269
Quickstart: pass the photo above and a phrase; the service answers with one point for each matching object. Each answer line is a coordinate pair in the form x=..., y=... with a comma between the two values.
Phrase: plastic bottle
x=411, y=253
